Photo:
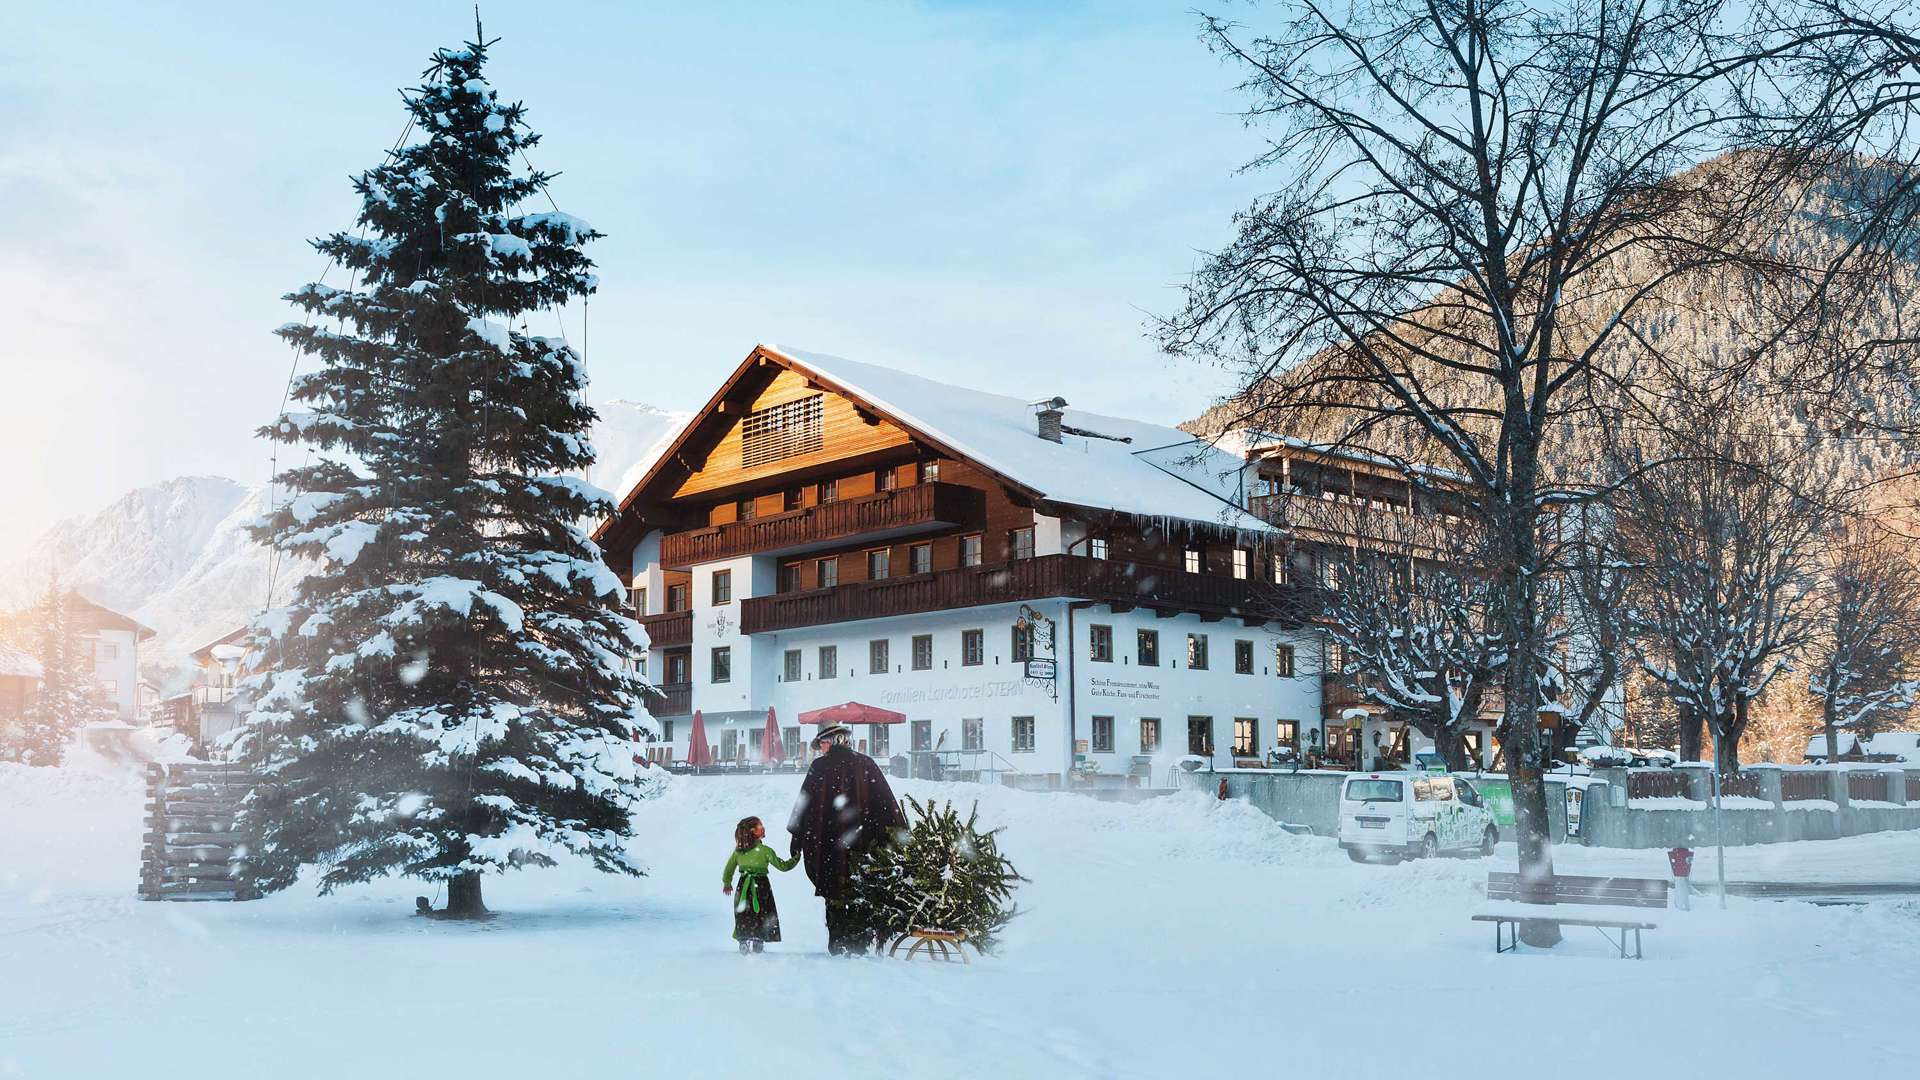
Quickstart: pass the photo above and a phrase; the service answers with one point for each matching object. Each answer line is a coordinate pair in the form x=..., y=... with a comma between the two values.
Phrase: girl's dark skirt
x=754, y=916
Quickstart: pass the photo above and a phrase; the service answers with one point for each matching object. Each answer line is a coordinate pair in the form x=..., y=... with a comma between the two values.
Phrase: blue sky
x=997, y=194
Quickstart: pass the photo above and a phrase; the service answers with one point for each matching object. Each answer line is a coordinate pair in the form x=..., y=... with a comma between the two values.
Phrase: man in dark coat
x=845, y=806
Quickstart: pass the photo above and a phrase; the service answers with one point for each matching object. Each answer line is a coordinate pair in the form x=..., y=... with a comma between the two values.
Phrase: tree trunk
x=1453, y=750
x=463, y=896
x=1827, y=712
x=1520, y=723
x=1726, y=745
x=1691, y=725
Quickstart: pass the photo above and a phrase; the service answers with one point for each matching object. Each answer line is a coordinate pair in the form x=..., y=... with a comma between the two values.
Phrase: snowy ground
x=1179, y=937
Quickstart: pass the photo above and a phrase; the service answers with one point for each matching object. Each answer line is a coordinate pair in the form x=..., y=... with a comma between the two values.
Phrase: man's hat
x=833, y=731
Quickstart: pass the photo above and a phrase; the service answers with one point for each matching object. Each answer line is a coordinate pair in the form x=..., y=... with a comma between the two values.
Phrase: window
x=1240, y=557
x=639, y=594
x=756, y=739
x=1100, y=643
x=790, y=500
x=1103, y=734
x=1021, y=648
x=826, y=573
x=1283, y=661
x=922, y=734
x=973, y=648
x=920, y=559
x=877, y=657
x=790, y=665
x=885, y=479
x=666, y=731
x=790, y=577
x=1281, y=576
x=973, y=734
x=826, y=491
x=929, y=472
x=781, y=431
x=746, y=509
x=723, y=586
x=1021, y=543
x=1336, y=658
x=1190, y=559
x=1433, y=789
x=729, y=744
x=790, y=742
x=1149, y=735
x=1147, y=648
x=922, y=652
x=677, y=669
x=1286, y=733
x=1246, y=740
x=110, y=687
x=877, y=740
x=677, y=597
x=1097, y=547
x=878, y=560
x=970, y=550
x=1197, y=651
x=722, y=664
x=1243, y=658
x=1465, y=793
x=1200, y=735
x=829, y=662
x=1023, y=734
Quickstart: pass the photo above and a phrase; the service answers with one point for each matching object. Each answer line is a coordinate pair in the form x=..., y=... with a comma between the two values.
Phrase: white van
x=1399, y=815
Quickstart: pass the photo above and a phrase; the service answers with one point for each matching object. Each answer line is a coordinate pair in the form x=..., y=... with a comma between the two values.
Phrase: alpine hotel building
x=1029, y=584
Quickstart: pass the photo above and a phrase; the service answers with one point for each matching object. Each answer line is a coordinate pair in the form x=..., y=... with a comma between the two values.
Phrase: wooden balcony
x=670, y=629
x=675, y=699
x=904, y=510
x=1137, y=584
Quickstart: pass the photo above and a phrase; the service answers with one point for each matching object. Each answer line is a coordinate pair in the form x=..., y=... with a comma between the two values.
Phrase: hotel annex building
x=1033, y=586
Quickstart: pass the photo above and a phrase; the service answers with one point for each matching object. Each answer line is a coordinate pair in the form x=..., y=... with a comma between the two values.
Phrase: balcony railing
x=670, y=629
x=1078, y=576
x=917, y=506
x=674, y=699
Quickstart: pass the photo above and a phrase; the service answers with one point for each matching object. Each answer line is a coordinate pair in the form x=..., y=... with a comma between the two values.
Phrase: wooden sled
x=939, y=945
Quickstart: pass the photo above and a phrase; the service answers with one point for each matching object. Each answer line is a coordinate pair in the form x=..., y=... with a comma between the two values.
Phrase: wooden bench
x=1531, y=902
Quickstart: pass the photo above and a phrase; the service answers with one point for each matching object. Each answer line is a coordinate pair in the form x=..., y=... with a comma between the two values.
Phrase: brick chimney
x=1047, y=415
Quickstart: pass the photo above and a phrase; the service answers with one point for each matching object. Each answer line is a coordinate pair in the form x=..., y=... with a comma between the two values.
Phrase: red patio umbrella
x=771, y=751
x=852, y=712
x=697, y=751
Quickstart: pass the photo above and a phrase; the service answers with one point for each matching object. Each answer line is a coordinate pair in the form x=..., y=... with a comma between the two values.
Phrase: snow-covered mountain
x=176, y=555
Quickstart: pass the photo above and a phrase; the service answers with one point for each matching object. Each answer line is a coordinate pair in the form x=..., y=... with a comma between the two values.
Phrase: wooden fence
x=1868, y=786
x=1801, y=786
x=192, y=851
x=1657, y=784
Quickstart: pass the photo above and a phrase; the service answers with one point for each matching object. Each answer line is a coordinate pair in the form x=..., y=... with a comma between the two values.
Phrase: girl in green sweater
x=755, y=920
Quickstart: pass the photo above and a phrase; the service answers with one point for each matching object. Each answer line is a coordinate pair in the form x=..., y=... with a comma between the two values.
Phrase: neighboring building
x=825, y=531
x=207, y=710
x=114, y=641
x=19, y=680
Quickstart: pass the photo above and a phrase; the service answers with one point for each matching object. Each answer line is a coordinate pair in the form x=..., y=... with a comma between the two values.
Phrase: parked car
x=1401, y=815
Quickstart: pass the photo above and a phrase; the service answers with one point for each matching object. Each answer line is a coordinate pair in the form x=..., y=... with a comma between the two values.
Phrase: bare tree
x=1864, y=660
x=1413, y=616
x=1724, y=547
x=1476, y=201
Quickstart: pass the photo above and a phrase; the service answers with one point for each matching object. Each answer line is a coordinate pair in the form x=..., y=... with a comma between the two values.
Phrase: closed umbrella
x=771, y=751
x=697, y=751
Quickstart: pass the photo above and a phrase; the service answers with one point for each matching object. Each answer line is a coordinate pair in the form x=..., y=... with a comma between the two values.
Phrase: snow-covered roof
x=17, y=664
x=1159, y=472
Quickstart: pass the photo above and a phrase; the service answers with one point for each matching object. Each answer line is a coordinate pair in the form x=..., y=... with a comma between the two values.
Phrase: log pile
x=191, y=851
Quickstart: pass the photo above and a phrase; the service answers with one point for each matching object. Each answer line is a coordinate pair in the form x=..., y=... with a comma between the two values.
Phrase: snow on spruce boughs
x=941, y=873
x=449, y=692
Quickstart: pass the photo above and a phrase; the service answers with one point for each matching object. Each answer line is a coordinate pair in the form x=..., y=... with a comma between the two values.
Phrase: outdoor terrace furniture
x=1515, y=900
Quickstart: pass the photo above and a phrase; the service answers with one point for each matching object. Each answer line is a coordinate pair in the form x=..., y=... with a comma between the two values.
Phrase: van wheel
x=1356, y=854
x=1487, y=840
x=1429, y=846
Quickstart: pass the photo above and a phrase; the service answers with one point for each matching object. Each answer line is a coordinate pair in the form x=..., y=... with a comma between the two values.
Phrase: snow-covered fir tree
x=449, y=694
x=67, y=698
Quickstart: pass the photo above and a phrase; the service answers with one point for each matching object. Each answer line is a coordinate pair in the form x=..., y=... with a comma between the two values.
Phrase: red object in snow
x=853, y=712
x=698, y=753
x=771, y=751
x=1681, y=860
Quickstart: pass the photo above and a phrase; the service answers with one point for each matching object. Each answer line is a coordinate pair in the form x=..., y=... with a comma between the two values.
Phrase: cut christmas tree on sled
x=941, y=884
